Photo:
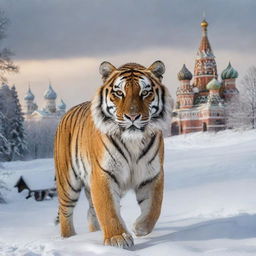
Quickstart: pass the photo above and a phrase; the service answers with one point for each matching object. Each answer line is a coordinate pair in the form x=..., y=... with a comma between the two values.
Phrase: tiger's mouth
x=135, y=128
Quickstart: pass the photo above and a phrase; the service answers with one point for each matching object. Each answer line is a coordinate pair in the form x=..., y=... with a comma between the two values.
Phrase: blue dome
x=50, y=94
x=62, y=105
x=29, y=95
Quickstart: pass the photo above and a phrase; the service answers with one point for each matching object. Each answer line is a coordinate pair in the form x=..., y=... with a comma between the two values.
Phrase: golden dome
x=204, y=24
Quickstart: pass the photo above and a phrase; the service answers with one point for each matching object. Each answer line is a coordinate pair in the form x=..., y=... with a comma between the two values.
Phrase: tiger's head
x=132, y=101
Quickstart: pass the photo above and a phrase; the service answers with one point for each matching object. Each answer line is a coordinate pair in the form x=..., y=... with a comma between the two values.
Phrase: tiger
x=113, y=144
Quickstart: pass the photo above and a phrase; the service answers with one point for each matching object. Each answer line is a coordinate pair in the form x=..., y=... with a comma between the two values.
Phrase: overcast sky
x=64, y=41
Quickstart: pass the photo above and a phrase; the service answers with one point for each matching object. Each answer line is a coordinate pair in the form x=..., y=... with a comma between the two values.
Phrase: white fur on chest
x=130, y=168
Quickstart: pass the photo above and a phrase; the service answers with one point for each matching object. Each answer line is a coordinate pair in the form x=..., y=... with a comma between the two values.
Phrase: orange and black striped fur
x=112, y=144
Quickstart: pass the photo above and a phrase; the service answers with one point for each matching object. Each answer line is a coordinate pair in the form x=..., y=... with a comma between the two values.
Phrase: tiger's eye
x=144, y=93
x=119, y=93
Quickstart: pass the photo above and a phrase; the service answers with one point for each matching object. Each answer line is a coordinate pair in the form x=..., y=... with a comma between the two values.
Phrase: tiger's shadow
x=237, y=227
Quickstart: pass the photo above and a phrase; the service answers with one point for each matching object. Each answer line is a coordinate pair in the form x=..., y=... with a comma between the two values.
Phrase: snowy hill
x=209, y=205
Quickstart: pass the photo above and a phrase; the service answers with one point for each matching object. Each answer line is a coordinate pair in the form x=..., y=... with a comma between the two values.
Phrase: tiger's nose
x=132, y=117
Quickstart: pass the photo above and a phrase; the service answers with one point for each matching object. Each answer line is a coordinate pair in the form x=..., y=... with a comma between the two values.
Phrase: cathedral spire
x=205, y=49
x=205, y=65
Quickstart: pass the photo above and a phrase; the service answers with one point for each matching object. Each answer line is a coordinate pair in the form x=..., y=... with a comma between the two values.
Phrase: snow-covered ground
x=209, y=205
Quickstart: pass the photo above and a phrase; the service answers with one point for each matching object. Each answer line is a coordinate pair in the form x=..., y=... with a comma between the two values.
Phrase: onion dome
x=50, y=94
x=204, y=23
x=214, y=84
x=29, y=95
x=229, y=72
x=62, y=105
x=184, y=74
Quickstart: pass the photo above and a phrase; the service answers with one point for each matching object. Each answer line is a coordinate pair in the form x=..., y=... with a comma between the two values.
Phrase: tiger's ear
x=158, y=69
x=106, y=69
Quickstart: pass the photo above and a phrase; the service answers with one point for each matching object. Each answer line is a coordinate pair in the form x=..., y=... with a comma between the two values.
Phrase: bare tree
x=248, y=90
x=6, y=64
x=237, y=113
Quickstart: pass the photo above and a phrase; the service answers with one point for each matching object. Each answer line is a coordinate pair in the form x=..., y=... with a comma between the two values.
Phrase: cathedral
x=201, y=102
x=49, y=111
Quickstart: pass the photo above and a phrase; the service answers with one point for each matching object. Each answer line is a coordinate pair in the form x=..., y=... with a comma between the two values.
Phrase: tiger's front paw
x=142, y=228
x=122, y=241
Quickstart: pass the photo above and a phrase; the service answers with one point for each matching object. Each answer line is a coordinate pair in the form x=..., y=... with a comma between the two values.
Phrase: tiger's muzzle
x=133, y=122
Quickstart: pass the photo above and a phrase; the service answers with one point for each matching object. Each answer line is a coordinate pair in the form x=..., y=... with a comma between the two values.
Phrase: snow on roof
x=39, y=180
x=40, y=113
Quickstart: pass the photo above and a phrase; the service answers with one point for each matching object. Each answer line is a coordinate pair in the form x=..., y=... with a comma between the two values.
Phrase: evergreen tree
x=12, y=142
x=5, y=97
x=16, y=129
x=4, y=144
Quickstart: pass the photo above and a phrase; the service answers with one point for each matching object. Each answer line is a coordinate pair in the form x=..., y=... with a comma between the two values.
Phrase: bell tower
x=205, y=65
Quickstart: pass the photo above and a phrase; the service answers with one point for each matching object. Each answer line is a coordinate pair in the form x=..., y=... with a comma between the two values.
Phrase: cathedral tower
x=185, y=94
x=229, y=76
x=30, y=106
x=62, y=107
x=205, y=65
x=50, y=98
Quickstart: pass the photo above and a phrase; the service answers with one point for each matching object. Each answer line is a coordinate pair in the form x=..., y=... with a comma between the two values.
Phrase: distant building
x=200, y=105
x=49, y=111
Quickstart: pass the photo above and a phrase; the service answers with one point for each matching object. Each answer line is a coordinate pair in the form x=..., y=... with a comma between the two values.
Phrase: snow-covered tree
x=12, y=142
x=4, y=144
x=3, y=188
x=16, y=132
x=6, y=66
x=237, y=113
x=5, y=96
x=241, y=110
x=248, y=90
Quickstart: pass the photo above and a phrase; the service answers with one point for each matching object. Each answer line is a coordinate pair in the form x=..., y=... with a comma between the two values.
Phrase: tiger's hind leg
x=68, y=193
x=93, y=224
x=149, y=196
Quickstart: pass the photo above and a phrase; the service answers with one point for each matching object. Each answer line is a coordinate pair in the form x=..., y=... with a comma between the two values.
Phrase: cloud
x=46, y=29
x=65, y=41
x=77, y=80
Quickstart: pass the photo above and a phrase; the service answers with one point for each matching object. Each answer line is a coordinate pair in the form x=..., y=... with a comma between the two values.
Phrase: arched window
x=175, y=129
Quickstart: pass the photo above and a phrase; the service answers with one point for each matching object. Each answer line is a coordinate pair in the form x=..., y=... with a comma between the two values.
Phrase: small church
x=49, y=111
x=201, y=102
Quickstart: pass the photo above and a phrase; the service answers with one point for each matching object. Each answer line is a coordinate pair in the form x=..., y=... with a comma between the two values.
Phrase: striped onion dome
x=229, y=72
x=184, y=74
x=214, y=84
x=29, y=95
x=50, y=94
